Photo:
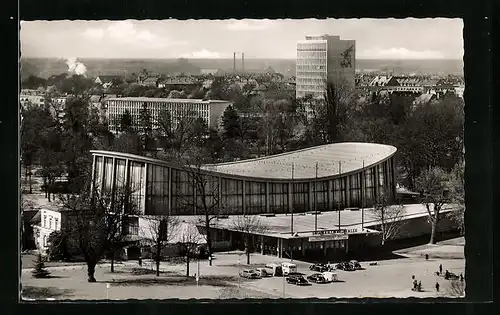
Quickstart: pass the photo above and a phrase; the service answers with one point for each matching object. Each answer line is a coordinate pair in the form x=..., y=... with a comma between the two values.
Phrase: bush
x=61, y=247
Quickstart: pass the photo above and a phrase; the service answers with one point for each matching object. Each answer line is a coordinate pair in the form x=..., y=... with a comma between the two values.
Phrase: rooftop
x=303, y=224
x=350, y=156
x=165, y=100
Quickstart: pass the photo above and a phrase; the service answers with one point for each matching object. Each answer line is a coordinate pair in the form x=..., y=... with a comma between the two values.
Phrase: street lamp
x=239, y=271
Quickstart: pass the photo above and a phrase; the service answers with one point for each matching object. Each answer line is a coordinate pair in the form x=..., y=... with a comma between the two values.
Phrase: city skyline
x=408, y=39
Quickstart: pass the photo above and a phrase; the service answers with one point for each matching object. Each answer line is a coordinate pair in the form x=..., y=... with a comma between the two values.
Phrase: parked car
x=355, y=264
x=317, y=278
x=318, y=267
x=249, y=274
x=330, y=276
x=275, y=269
x=345, y=265
x=297, y=280
x=288, y=268
x=263, y=272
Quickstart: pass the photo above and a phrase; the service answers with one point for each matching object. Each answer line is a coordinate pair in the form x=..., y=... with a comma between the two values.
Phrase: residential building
x=209, y=110
x=149, y=81
x=108, y=81
x=179, y=83
x=37, y=100
x=322, y=59
x=47, y=220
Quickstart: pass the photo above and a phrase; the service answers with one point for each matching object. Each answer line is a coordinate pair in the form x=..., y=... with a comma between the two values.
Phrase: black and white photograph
x=242, y=159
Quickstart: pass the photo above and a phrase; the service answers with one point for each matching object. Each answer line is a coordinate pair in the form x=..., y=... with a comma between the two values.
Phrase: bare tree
x=161, y=229
x=456, y=288
x=189, y=241
x=390, y=218
x=207, y=201
x=96, y=220
x=180, y=132
x=248, y=225
x=433, y=185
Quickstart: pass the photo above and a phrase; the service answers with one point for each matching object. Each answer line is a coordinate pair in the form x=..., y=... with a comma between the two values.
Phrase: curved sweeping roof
x=332, y=160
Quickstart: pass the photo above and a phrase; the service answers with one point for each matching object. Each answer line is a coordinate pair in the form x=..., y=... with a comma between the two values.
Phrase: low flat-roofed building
x=209, y=110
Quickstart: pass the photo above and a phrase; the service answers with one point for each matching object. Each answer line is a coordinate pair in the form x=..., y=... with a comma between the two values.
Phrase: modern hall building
x=326, y=178
x=209, y=110
x=321, y=59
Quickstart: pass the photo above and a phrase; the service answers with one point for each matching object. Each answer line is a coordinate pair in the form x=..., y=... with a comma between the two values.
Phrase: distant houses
x=107, y=81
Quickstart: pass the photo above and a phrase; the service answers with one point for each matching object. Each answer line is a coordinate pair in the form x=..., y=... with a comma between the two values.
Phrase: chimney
x=242, y=62
x=234, y=62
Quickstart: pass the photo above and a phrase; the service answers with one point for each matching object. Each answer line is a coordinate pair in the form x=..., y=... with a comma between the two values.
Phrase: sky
x=375, y=38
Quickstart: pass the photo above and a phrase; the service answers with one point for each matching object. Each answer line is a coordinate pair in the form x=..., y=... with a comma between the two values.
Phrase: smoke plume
x=76, y=67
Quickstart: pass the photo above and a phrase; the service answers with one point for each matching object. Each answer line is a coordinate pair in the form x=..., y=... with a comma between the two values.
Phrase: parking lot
x=389, y=278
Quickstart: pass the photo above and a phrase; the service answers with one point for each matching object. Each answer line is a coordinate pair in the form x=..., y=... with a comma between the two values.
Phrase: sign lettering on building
x=328, y=237
x=335, y=232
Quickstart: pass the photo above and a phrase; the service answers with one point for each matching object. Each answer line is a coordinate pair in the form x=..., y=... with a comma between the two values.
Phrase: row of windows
x=311, y=46
x=52, y=223
x=235, y=196
x=311, y=54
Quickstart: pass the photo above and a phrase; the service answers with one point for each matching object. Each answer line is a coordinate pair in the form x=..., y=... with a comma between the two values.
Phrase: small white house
x=45, y=222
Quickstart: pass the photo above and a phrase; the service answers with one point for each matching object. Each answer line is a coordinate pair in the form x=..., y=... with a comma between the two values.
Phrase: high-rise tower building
x=322, y=59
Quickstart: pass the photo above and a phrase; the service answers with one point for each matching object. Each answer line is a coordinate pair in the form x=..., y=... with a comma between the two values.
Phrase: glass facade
x=300, y=198
x=320, y=195
x=157, y=192
x=255, y=197
x=278, y=198
x=232, y=195
x=355, y=190
x=159, y=189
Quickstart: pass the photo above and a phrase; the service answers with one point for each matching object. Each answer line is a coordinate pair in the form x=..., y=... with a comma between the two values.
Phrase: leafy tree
x=61, y=246
x=76, y=139
x=214, y=145
x=33, y=82
x=126, y=121
x=433, y=186
x=177, y=94
x=218, y=90
x=231, y=124
x=146, y=127
x=457, y=195
x=40, y=271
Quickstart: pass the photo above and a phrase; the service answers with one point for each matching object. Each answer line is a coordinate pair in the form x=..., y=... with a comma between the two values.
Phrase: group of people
x=417, y=285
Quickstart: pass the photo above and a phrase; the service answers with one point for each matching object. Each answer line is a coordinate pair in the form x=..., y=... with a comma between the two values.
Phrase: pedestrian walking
x=437, y=286
x=440, y=269
x=419, y=286
x=140, y=261
x=415, y=284
x=461, y=277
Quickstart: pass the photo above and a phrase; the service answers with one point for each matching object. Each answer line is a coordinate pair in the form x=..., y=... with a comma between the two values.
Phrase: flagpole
x=293, y=169
x=363, y=197
x=341, y=188
x=315, y=200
